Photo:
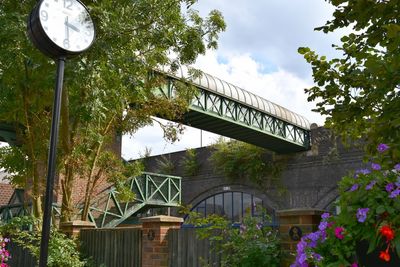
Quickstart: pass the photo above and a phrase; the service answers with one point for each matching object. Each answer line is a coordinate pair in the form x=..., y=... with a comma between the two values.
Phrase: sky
x=257, y=52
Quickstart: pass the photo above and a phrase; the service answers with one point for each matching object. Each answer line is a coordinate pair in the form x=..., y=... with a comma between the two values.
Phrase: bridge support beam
x=155, y=240
x=293, y=224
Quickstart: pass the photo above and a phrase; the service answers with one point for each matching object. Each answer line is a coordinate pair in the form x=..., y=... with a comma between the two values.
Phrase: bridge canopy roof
x=228, y=90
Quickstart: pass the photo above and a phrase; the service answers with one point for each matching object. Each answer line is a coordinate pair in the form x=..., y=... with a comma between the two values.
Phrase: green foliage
x=253, y=244
x=165, y=165
x=238, y=160
x=63, y=251
x=189, y=163
x=359, y=93
x=107, y=90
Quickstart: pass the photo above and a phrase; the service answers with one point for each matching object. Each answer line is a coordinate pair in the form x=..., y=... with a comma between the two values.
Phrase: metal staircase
x=107, y=210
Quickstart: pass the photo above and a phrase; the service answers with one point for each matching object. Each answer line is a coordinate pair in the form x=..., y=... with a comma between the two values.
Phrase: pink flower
x=354, y=264
x=339, y=232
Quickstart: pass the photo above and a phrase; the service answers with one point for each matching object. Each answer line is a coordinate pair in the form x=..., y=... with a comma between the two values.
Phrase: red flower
x=387, y=232
x=339, y=232
x=384, y=255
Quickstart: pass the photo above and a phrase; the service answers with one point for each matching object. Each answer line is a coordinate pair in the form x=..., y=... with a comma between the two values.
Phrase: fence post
x=155, y=241
x=293, y=224
x=73, y=228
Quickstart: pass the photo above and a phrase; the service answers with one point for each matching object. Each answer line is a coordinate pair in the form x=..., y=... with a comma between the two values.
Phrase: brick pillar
x=72, y=229
x=293, y=224
x=155, y=241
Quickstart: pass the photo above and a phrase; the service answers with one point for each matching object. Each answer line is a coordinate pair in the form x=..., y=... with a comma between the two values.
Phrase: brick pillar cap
x=161, y=218
x=78, y=223
x=297, y=212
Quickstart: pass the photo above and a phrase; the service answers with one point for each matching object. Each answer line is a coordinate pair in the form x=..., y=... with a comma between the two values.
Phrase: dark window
x=232, y=205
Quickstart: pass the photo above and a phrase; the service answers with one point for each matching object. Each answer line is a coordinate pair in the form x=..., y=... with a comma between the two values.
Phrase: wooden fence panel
x=118, y=247
x=20, y=257
x=185, y=250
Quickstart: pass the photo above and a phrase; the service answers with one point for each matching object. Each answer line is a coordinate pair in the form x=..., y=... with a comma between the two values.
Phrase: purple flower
x=370, y=185
x=397, y=167
x=389, y=187
x=302, y=259
x=314, y=236
x=325, y=215
x=322, y=226
x=354, y=187
x=317, y=257
x=362, y=214
x=301, y=246
x=361, y=171
x=375, y=166
x=382, y=147
x=395, y=193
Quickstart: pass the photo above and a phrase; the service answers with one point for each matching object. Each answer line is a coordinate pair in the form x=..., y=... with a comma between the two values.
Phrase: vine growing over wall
x=238, y=160
x=190, y=164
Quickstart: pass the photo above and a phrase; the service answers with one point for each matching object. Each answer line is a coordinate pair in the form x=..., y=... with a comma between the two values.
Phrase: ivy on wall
x=189, y=163
x=238, y=160
x=165, y=165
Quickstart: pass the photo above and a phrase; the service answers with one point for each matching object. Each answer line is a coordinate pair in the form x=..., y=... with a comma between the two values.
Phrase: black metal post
x=51, y=165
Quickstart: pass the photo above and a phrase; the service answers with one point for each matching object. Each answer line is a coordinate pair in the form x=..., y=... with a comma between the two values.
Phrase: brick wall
x=310, y=178
x=6, y=191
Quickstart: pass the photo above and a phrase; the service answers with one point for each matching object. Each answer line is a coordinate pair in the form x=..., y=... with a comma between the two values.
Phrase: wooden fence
x=20, y=257
x=186, y=250
x=117, y=247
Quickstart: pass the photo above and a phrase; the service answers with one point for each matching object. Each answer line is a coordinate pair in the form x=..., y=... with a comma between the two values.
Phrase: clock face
x=67, y=23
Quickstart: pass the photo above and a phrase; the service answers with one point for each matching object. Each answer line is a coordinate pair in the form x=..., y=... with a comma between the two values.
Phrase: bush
x=63, y=251
x=252, y=244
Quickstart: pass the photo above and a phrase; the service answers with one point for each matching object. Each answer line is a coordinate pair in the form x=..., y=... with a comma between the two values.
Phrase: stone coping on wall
x=298, y=212
x=161, y=218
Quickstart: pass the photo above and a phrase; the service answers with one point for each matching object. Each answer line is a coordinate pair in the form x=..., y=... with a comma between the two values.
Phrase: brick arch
x=330, y=196
x=268, y=203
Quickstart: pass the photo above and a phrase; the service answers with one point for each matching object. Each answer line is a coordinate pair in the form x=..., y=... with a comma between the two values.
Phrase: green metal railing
x=9, y=212
x=226, y=116
x=151, y=190
x=107, y=210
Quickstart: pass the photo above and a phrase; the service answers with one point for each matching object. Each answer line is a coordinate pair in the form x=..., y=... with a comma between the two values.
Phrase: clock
x=61, y=28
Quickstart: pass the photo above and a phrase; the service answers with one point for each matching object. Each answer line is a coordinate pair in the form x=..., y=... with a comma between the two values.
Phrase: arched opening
x=233, y=205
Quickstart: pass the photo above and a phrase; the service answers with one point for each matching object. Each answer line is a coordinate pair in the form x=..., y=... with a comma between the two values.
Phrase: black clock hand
x=69, y=25
x=66, y=28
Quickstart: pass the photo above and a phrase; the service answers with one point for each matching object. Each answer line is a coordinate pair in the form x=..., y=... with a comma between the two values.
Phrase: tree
x=108, y=91
x=359, y=92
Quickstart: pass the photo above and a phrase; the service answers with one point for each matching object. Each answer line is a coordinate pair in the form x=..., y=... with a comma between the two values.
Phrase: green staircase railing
x=151, y=190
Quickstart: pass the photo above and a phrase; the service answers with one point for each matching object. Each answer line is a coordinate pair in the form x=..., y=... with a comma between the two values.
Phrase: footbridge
x=223, y=108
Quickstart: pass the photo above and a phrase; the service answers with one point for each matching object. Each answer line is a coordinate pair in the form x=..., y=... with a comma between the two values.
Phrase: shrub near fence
x=117, y=247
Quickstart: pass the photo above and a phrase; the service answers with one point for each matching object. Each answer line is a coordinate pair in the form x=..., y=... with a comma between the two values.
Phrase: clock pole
x=51, y=165
x=48, y=27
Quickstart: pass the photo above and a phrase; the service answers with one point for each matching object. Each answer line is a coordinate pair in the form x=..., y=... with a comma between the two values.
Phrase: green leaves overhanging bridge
x=223, y=108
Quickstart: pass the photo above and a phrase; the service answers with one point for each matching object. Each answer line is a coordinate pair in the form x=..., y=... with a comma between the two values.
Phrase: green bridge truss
x=151, y=191
x=228, y=110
